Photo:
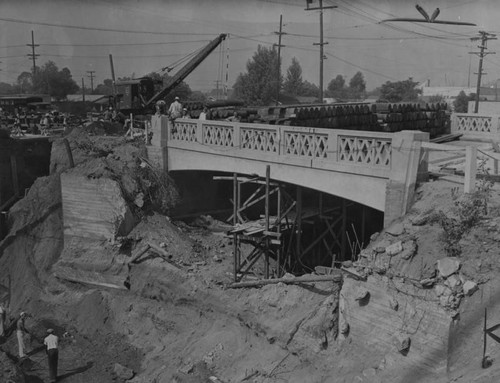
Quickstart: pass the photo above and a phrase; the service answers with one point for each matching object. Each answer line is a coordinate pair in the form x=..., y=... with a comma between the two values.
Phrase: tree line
x=260, y=84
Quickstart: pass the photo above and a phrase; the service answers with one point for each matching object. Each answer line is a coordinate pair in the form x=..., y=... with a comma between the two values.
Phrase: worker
x=175, y=110
x=160, y=107
x=185, y=113
x=3, y=319
x=204, y=114
x=234, y=117
x=108, y=116
x=45, y=125
x=21, y=331
x=51, y=343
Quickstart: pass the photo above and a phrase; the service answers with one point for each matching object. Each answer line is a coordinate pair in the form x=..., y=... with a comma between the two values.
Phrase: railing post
x=406, y=155
x=470, y=169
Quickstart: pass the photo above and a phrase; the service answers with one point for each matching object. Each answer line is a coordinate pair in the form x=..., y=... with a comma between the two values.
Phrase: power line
x=31, y=22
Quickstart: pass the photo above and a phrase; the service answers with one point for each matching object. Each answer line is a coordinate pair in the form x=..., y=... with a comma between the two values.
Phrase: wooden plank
x=336, y=277
x=442, y=147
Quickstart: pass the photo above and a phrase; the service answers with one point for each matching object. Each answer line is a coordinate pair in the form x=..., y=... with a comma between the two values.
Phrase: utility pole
x=217, y=82
x=91, y=75
x=280, y=33
x=83, y=93
x=33, y=55
x=321, y=43
x=484, y=37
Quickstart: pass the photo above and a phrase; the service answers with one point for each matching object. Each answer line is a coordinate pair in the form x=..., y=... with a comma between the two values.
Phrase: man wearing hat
x=51, y=343
x=175, y=110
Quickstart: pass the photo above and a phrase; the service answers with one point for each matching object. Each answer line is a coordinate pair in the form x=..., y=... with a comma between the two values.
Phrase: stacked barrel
x=431, y=118
x=353, y=117
x=381, y=117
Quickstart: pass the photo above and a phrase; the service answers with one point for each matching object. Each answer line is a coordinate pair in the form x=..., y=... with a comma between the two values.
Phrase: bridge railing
x=476, y=126
x=354, y=151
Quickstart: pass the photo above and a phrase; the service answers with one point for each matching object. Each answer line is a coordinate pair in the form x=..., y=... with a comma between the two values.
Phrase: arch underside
x=363, y=189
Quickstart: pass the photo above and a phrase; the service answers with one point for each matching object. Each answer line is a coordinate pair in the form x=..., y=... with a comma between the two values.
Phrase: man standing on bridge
x=175, y=110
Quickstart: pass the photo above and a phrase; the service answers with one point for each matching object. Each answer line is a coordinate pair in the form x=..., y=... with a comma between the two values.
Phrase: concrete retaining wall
x=94, y=208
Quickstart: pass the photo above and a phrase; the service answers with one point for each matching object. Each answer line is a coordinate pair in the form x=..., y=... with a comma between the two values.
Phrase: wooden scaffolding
x=277, y=236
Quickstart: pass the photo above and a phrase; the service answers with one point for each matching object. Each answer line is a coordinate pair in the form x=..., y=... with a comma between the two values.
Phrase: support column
x=298, y=235
x=235, y=221
x=157, y=151
x=470, y=169
x=406, y=154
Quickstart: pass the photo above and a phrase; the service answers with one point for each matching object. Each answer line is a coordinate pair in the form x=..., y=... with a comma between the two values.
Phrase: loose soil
x=177, y=321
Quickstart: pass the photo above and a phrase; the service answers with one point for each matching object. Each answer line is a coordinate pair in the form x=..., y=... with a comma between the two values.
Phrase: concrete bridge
x=375, y=169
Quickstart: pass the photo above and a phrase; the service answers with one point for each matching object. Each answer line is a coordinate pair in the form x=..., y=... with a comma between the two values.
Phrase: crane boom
x=187, y=69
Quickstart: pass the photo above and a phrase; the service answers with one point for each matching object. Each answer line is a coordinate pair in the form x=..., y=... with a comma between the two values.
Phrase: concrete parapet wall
x=94, y=208
x=476, y=126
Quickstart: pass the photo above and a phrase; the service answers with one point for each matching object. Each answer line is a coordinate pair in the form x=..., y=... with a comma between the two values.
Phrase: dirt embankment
x=178, y=323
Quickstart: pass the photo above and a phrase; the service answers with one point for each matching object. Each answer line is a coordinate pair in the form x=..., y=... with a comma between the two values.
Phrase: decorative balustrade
x=258, y=139
x=364, y=150
x=369, y=149
x=299, y=143
x=220, y=135
x=476, y=125
x=184, y=131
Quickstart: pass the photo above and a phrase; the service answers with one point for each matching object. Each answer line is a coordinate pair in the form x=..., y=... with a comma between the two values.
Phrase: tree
x=105, y=88
x=461, y=103
x=6, y=88
x=57, y=83
x=25, y=82
x=293, y=83
x=309, y=89
x=400, y=91
x=357, y=86
x=336, y=88
x=258, y=85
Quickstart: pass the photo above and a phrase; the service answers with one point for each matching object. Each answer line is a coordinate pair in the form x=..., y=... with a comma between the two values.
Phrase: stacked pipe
x=431, y=118
x=353, y=117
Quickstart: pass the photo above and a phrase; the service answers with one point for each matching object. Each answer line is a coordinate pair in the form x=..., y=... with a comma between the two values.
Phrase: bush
x=470, y=209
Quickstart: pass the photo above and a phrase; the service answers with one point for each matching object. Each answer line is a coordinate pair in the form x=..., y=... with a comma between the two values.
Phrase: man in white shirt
x=51, y=342
x=175, y=110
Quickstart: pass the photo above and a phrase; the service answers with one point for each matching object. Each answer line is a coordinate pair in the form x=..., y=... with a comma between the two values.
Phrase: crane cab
x=132, y=95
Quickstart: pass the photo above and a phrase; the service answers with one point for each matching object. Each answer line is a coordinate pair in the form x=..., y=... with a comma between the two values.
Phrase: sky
x=147, y=35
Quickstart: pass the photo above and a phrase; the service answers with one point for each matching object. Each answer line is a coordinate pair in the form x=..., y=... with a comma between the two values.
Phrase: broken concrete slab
x=394, y=249
x=453, y=281
x=123, y=372
x=470, y=288
x=409, y=249
x=447, y=266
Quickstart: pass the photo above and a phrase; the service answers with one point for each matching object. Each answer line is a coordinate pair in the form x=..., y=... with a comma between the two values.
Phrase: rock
x=470, y=288
x=347, y=264
x=139, y=200
x=442, y=290
x=403, y=344
x=369, y=372
x=453, y=281
x=379, y=250
x=409, y=249
x=361, y=294
x=123, y=372
x=373, y=237
x=419, y=220
x=395, y=229
x=427, y=282
x=393, y=303
x=448, y=266
x=394, y=249
x=344, y=328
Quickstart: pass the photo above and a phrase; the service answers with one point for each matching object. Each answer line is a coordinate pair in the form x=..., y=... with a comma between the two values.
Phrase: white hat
x=176, y=97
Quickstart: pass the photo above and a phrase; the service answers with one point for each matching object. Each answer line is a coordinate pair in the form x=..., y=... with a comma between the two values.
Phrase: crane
x=138, y=95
